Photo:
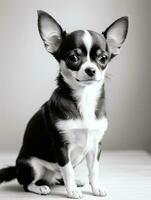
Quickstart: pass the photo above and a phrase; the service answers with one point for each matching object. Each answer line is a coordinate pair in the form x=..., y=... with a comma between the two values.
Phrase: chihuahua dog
x=69, y=127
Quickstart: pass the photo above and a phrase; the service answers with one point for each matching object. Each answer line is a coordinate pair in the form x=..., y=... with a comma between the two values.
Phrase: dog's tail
x=7, y=174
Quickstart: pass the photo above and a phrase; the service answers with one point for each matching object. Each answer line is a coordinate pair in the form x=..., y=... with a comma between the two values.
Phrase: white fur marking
x=87, y=39
x=93, y=167
x=69, y=178
x=87, y=98
x=82, y=135
x=45, y=170
x=44, y=189
x=99, y=75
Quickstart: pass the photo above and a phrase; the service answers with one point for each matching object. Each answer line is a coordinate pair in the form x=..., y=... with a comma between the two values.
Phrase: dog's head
x=83, y=55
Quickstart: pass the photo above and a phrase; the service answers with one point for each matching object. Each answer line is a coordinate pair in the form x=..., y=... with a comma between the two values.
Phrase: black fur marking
x=70, y=45
x=7, y=174
x=62, y=155
x=72, y=41
x=38, y=139
x=25, y=173
x=42, y=182
x=62, y=104
x=98, y=40
x=99, y=150
x=42, y=139
x=100, y=107
x=61, y=182
x=99, y=43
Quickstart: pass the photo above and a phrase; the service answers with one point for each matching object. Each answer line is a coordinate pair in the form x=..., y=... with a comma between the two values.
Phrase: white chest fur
x=83, y=134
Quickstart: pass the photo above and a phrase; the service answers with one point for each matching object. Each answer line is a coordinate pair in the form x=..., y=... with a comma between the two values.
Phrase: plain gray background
x=28, y=72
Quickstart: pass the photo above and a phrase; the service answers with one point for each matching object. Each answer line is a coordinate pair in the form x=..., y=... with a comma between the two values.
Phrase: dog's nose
x=90, y=71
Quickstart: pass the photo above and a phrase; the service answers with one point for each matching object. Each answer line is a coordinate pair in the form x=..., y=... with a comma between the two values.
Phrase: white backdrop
x=28, y=72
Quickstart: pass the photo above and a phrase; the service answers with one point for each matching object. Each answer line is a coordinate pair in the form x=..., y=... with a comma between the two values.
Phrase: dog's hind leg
x=31, y=177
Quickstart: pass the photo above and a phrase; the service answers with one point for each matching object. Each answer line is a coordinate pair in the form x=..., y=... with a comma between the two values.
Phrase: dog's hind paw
x=43, y=189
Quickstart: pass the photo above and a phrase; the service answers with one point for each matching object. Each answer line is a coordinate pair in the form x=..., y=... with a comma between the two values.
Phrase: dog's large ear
x=115, y=35
x=50, y=31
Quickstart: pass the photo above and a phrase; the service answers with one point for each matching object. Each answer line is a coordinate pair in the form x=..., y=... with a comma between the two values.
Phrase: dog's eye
x=73, y=59
x=102, y=59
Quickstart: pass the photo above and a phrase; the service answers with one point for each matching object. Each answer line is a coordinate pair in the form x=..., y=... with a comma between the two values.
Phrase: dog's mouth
x=87, y=81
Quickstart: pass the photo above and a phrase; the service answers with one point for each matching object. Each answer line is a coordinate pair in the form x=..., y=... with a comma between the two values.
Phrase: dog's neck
x=86, y=98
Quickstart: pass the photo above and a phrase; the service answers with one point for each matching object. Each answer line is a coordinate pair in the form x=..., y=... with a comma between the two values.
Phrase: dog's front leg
x=68, y=173
x=93, y=168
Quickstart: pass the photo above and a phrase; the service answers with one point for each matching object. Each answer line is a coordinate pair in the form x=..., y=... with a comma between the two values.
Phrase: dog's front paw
x=97, y=191
x=75, y=194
